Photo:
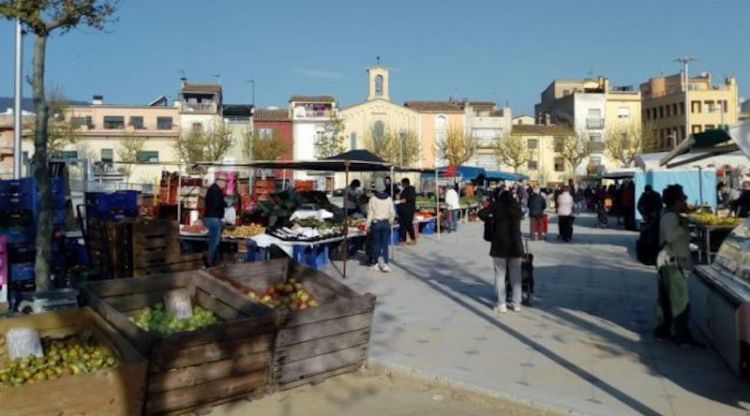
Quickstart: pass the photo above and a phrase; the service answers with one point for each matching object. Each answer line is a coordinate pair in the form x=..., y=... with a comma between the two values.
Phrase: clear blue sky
x=480, y=49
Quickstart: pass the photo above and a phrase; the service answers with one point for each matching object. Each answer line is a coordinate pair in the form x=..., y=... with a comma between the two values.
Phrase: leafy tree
x=576, y=146
x=625, y=141
x=127, y=151
x=458, y=147
x=332, y=141
x=511, y=151
x=204, y=145
x=42, y=18
x=398, y=148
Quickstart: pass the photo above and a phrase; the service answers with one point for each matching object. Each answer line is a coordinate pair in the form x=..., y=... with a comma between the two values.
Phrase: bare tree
x=331, y=142
x=511, y=151
x=127, y=151
x=203, y=145
x=399, y=148
x=42, y=18
x=61, y=131
x=575, y=147
x=268, y=148
x=625, y=141
x=458, y=147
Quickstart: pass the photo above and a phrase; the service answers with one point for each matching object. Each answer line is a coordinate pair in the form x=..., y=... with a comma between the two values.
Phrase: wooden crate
x=112, y=391
x=315, y=343
x=186, y=262
x=187, y=370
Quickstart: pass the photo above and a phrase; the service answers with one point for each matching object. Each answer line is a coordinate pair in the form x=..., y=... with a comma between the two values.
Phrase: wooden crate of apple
x=325, y=329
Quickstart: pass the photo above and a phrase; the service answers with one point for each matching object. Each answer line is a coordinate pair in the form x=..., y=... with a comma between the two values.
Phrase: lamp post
x=252, y=82
x=17, y=111
x=685, y=60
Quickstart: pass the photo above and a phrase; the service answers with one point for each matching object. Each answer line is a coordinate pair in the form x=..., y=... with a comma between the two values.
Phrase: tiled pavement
x=584, y=347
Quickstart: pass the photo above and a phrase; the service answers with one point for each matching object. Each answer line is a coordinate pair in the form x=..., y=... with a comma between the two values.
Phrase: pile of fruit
x=290, y=295
x=244, y=231
x=156, y=319
x=63, y=356
x=708, y=218
x=194, y=229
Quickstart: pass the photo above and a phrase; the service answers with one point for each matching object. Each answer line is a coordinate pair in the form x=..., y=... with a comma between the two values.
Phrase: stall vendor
x=212, y=216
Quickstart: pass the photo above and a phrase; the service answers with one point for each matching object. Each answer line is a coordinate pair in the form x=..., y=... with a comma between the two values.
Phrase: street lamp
x=685, y=60
x=17, y=124
x=252, y=81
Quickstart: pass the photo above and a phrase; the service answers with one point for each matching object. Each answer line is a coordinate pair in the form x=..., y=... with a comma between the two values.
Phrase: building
x=485, y=122
x=437, y=119
x=545, y=166
x=378, y=115
x=311, y=116
x=238, y=120
x=663, y=108
x=523, y=119
x=275, y=124
x=590, y=107
x=6, y=139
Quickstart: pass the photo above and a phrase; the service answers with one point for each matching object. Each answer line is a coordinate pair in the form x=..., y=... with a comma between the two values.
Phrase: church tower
x=378, y=81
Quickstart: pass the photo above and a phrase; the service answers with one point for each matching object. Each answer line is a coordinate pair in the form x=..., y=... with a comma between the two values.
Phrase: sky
x=505, y=51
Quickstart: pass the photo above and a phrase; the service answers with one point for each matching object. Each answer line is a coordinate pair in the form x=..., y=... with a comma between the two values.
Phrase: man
x=406, y=210
x=536, y=206
x=628, y=205
x=351, y=198
x=649, y=205
x=741, y=205
x=212, y=216
x=454, y=206
x=565, y=215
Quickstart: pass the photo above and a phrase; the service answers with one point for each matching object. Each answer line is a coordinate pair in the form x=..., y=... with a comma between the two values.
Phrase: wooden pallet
x=315, y=343
x=113, y=391
x=188, y=370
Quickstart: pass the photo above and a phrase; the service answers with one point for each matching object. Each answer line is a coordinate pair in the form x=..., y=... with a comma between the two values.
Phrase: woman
x=673, y=261
x=506, y=248
x=565, y=215
x=351, y=197
x=380, y=215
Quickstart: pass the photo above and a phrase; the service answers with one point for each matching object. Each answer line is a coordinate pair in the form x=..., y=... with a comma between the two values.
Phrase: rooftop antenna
x=218, y=77
x=591, y=72
x=377, y=59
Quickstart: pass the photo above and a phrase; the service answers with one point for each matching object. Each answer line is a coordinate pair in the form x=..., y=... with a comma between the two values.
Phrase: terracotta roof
x=266, y=114
x=433, y=106
x=202, y=88
x=539, y=130
x=482, y=103
x=312, y=99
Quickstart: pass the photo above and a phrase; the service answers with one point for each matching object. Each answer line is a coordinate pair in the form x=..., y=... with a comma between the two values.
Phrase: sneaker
x=515, y=308
x=502, y=308
x=374, y=267
x=385, y=268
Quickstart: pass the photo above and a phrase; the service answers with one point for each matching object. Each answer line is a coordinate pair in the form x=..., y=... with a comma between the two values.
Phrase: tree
x=625, y=141
x=331, y=142
x=458, y=147
x=42, y=18
x=400, y=148
x=574, y=147
x=268, y=148
x=127, y=151
x=204, y=145
x=60, y=130
x=511, y=150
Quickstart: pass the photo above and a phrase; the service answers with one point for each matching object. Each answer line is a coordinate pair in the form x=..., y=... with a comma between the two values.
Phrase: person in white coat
x=565, y=215
x=454, y=206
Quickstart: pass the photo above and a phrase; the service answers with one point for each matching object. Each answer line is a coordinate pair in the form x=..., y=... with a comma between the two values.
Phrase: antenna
x=377, y=59
x=181, y=72
x=591, y=72
x=218, y=77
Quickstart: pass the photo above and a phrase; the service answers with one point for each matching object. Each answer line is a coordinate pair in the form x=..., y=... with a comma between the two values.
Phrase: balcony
x=314, y=114
x=199, y=107
x=594, y=123
x=597, y=147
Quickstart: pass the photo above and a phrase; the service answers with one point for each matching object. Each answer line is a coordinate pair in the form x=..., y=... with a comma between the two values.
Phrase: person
x=454, y=206
x=672, y=262
x=352, y=197
x=628, y=205
x=380, y=215
x=406, y=210
x=536, y=205
x=649, y=205
x=388, y=189
x=565, y=215
x=212, y=216
x=741, y=205
x=506, y=248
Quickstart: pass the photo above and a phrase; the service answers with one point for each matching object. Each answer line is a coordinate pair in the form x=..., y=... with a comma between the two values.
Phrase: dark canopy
x=358, y=155
x=357, y=161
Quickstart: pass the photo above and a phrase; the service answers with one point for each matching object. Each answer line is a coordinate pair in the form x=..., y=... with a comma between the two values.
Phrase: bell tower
x=378, y=82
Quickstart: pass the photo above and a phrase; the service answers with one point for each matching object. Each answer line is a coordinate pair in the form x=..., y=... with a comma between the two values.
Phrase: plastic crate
x=255, y=253
x=18, y=235
x=114, y=206
x=18, y=201
x=14, y=186
x=59, y=216
x=21, y=272
x=312, y=256
x=17, y=218
x=21, y=253
x=427, y=227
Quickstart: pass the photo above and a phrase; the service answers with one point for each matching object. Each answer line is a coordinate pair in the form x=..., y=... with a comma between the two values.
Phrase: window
x=682, y=107
x=674, y=109
x=164, y=123
x=559, y=164
x=559, y=144
x=595, y=137
x=531, y=165
x=661, y=112
x=441, y=123
x=623, y=112
x=78, y=122
x=532, y=143
x=566, y=93
x=353, y=141
x=378, y=130
x=68, y=154
x=695, y=107
x=646, y=114
x=107, y=156
x=379, y=85
x=136, y=122
x=114, y=122
x=265, y=133
x=595, y=160
x=147, y=156
x=667, y=110
x=696, y=128
x=710, y=106
x=196, y=127
x=709, y=126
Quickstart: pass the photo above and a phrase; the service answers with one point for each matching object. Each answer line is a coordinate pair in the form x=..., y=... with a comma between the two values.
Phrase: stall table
x=709, y=238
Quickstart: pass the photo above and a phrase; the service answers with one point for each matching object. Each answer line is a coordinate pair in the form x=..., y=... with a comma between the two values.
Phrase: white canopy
x=650, y=161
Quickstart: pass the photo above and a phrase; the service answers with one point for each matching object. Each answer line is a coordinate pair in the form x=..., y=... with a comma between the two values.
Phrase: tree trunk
x=41, y=170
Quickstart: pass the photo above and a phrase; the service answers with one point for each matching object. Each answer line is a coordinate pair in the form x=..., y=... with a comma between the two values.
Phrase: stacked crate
x=103, y=212
x=19, y=215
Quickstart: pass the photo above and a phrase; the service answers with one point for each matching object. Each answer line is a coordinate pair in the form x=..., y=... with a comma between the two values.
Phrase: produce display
x=309, y=229
x=194, y=229
x=290, y=294
x=244, y=231
x=155, y=318
x=72, y=355
x=708, y=218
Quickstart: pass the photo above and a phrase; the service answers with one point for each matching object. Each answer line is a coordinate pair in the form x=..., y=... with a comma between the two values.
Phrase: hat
x=379, y=185
x=220, y=176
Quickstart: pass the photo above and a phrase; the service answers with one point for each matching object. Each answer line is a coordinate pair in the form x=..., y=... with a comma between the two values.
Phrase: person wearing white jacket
x=454, y=206
x=565, y=215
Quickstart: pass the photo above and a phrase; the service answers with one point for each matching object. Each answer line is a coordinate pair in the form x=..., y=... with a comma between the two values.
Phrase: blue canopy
x=496, y=175
x=467, y=173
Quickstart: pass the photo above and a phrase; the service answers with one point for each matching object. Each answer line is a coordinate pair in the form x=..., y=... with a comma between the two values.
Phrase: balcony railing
x=199, y=107
x=594, y=123
x=597, y=147
x=313, y=114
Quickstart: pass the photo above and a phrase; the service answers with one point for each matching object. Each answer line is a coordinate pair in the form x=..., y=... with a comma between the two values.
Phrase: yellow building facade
x=545, y=165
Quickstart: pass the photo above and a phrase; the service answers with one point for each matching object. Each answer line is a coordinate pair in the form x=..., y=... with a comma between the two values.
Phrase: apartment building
x=436, y=120
x=274, y=123
x=485, y=121
x=663, y=108
x=546, y=166
x=6, y=139
x=311, y=116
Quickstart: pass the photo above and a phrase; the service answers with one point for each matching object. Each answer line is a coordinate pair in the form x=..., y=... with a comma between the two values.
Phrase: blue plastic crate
x=26, y=235
x=17, y=218
x=114, y=206
x=313, y=256
x=21, y=272
x=427, y=227
x=255, y=253
x=14, y=186
x=20, y=200
x=59, y=216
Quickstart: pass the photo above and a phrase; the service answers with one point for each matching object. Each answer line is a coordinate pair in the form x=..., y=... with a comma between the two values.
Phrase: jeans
x=513, y=266
x=381, y=231
x=214, y=238
x=455, y=215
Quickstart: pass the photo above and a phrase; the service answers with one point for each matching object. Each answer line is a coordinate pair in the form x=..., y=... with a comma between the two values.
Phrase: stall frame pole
x=437, y=204
x=346, y=221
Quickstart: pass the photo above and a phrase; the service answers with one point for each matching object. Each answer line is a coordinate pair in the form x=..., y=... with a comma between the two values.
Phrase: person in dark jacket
x=536, y=205
x=506, y=248
x=212, y=216
x=406, y=210
x=741, y=205
x=649, y=205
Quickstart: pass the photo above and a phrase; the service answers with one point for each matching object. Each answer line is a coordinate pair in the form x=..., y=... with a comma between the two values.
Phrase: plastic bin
x=25, y=235
x=14, y=186
x=255, y=253
x=312, y=256
x=21, y=272
x=427, y=227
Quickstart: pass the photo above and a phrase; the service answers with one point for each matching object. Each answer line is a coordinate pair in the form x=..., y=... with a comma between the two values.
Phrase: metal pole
x=437, y=204
x=684, y=60
x=252, y=81
x=17, y=126
x=393, y=250
x=346, y=221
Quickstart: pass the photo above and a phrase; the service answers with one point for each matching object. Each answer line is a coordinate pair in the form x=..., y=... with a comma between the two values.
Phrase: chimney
x=97, y=100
